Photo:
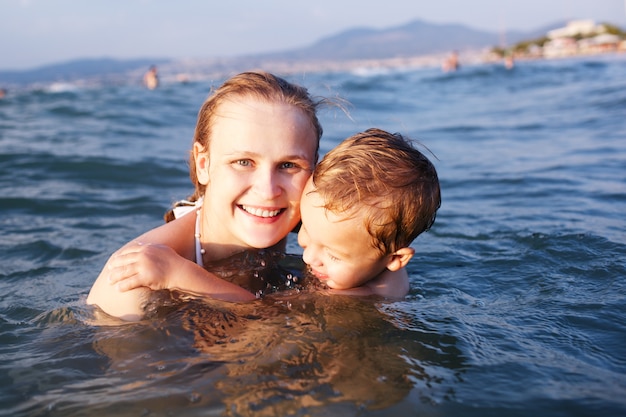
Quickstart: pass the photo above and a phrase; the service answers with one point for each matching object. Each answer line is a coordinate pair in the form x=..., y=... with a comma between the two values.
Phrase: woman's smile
x=261, y=212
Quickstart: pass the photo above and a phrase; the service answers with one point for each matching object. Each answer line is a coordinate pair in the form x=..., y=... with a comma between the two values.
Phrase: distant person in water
x=365, y=203
x=151, y=78
x=451, y=63
x=3, y=93
x=509, y=62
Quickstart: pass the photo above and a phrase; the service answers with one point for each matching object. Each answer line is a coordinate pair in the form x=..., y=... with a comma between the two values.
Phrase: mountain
x=413, y=39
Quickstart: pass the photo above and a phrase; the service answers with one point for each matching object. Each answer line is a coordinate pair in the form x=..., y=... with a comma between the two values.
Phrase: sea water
x=517, y=304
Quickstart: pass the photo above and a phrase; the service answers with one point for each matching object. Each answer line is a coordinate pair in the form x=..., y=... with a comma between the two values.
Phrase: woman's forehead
x=262, y=128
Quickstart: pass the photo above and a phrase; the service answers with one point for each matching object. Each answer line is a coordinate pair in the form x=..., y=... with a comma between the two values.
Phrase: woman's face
x=260, y=157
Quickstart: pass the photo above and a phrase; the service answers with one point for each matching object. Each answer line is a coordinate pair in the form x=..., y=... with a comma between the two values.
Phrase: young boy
x=366, y=201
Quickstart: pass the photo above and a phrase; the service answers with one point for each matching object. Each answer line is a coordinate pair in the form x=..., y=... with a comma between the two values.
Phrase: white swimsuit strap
x=197, y=239
x=184, y=207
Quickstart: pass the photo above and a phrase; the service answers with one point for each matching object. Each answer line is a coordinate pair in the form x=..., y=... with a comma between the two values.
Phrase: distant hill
x=413, y=39
x=416, y=38
x=78, y=69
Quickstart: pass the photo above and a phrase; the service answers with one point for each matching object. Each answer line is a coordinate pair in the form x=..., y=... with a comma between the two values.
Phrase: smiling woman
x=255, y=146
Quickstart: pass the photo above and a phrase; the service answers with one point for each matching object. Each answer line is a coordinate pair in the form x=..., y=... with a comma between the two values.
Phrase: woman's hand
x=144, y=265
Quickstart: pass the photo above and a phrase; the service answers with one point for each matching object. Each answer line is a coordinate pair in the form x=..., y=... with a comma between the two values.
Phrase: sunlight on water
x=517, y=294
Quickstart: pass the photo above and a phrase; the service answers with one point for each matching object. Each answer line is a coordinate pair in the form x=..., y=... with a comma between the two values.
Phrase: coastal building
x=580, y=37
x=577, y=28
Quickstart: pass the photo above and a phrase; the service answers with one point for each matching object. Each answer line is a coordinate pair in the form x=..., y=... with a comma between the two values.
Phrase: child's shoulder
x=390, y=284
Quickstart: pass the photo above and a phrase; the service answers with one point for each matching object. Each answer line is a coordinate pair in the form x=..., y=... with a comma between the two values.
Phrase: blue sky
x=40, y=32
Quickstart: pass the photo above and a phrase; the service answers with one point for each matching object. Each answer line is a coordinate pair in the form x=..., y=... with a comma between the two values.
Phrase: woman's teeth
x=260, y=212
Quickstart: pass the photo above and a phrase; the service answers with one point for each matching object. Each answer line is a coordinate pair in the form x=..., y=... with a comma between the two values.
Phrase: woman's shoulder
x=177, y=234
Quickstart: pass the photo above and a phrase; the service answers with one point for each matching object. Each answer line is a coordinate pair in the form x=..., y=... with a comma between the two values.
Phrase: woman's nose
x=267, y=184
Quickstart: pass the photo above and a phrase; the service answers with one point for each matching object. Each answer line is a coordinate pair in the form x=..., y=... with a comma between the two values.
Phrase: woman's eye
x=244, y=162
x=287, y=165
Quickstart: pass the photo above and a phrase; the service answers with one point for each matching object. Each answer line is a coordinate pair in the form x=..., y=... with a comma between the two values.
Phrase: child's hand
x=143, y=265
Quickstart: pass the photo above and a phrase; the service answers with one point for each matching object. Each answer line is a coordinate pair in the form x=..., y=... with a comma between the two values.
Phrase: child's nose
x=306, y=256
x=309, y=253
x=302, y=238
x=310, y=256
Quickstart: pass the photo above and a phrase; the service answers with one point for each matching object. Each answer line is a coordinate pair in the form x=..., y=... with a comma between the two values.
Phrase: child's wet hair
x=385, y=175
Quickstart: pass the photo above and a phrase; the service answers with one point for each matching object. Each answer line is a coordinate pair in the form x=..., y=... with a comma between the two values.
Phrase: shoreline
x=199, y=70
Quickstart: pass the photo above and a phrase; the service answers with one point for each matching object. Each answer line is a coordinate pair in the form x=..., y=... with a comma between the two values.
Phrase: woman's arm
x=159, y=267
x=160, y=259
x=127, y=306
x=124, y=286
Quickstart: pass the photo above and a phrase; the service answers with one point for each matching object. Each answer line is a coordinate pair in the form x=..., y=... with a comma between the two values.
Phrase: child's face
x=336, y=248
x=260, y=156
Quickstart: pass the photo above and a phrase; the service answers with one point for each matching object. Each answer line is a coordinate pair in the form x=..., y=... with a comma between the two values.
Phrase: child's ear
x=201, y=159
x=400, y=258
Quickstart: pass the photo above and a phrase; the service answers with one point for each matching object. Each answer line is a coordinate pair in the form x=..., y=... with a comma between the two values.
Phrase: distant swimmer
x=509, y=62
x=182, y=78
x=451, y=63
x=151, y=78
x=3, y=93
